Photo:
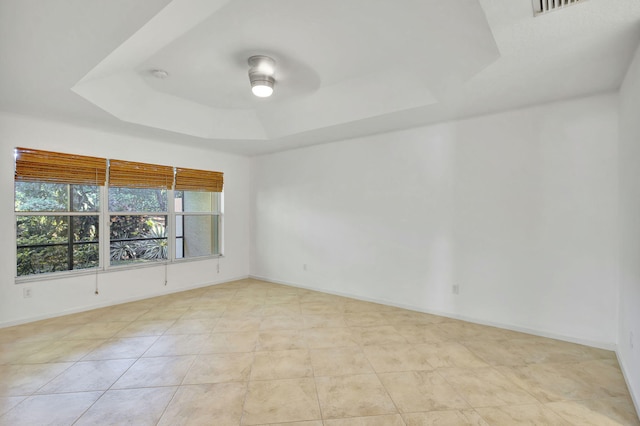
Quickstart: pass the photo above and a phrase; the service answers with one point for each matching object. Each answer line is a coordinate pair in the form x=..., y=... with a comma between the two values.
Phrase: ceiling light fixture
x=261, y=74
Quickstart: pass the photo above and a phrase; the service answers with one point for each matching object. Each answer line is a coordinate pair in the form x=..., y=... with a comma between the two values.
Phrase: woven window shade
x=129, y=174
x=198, y=180
x=33, y=165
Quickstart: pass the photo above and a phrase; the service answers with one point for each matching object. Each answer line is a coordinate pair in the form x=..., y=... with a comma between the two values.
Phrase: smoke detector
x=541, y=7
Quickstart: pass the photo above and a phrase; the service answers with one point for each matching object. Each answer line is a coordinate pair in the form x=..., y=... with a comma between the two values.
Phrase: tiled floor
x=253, y=353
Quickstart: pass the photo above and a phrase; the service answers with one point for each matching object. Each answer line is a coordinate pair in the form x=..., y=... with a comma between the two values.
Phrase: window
x=60, y=212
x=197, y=218
x=57, y=204
x=198, y=211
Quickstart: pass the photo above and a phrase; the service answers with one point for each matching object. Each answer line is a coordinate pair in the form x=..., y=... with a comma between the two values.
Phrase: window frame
x=104, y=214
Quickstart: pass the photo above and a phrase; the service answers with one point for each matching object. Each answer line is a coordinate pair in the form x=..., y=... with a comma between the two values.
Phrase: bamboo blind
x=139, y=175
x=45, y=166
x=198, y=180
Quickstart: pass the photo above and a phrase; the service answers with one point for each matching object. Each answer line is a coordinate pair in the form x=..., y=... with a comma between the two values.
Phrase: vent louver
x=544, y=6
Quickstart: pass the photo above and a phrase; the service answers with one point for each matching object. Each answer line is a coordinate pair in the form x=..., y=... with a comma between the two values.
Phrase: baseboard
x=534, y=332
x=116, y=302
x=634, y=397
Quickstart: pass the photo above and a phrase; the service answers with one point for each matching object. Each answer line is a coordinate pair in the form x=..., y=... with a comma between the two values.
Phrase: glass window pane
x=196, y=202
x=85, y=198
x=86, y=255
x=39, y=260
x=199, y=236
x=41, y=197
x=85, y=228
x=137, y=200
x=42, y=230
x=137, y=238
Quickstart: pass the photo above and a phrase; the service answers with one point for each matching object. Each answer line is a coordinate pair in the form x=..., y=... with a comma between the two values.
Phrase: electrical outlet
x=455, y=289
x=304, y=266
x=631, y=339
x=26, y=292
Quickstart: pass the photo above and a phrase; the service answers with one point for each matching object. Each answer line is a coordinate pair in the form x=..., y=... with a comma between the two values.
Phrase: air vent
x=544, y=6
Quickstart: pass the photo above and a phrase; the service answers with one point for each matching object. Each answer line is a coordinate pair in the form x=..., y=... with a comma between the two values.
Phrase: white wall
x=519, y=209
x=630, y=229
x=57, y=296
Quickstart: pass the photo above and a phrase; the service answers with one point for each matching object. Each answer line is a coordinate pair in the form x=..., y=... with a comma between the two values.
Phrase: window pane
x=86, y=255
x=85, y=198
x=42, y=230
x=43, y=243
x=137, y=238
x=199, y=236
x=85, y=228
x=137, y=200
x=39, y=260
x=195, y=201
x=41, y=197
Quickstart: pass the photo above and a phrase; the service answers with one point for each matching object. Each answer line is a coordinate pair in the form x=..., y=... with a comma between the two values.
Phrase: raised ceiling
x=344, y=68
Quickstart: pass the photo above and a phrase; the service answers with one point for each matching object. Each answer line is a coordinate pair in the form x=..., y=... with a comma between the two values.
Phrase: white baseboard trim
x=541, y=333
x=634, y=397
x=116, y=302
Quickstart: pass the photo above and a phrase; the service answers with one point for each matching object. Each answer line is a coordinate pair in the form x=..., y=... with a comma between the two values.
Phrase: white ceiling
x=344, y=68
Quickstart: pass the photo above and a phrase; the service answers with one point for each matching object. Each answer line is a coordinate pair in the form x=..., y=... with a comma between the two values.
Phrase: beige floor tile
x=460, y=330
x=18, y=351
x=417, y=391
x=378, y=335
x=281, y=309
x=324, y=321
x=157, y=371
x=25, y=379
x=8, y=402
x=445, y=418
x=401, y=357
x=345, y=361
x=329, y=337
x=352, y=306
x=598, y=412
x=280, y=340
x=576, y=381
x=228, y=324
x=282, y=322
x=97, y=330
x=145, y=328
x=449, y=354
x=204, y=310
x=281, y=401
x=178, y=344
x=404, y=317
x=122, y=347
x=285, y=349
x=88, y=376
x=140, y=407
x=320, y=308
x=387, y=420
x=192, y=326
x=365, y=319
x=220, y=368
x=353, y=396
x=536, y=414
x=162, y=314
x=61, y=351
x=496, y=353
x=242, y=341
x=209, y=404
x=486, y=387
x=416, y=334
x=281, y=365
x=61, y=409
